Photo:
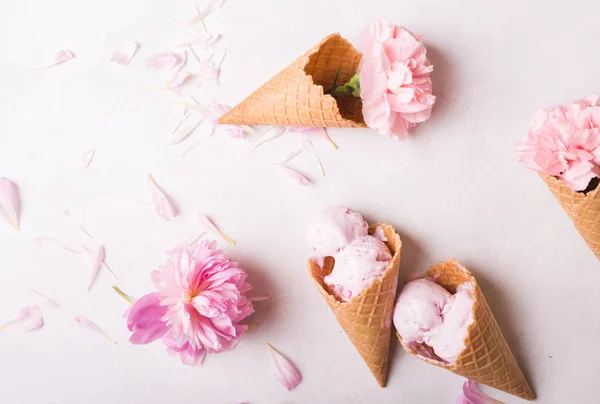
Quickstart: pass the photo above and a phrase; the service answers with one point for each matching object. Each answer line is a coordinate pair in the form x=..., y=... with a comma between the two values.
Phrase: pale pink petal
x=289, y=157
x=322, y=132
x=97, y=257
x=203, y=40
x=51, y=302
x=471, y=394
x=181, y=246
x=30, y=318
x=124, y=57
x=163, y=206
x=10, y=203
x=60, y=56
x=258, y=298
x=86, y=158
x=183, y=130
x=270, y=134
x=43, y=241
x=208, y=8
x=86, y=323
x=295, y=175
x=213, y=227
x=285, y=371
x=310, y=149
x=144, y=319
x=164, y=61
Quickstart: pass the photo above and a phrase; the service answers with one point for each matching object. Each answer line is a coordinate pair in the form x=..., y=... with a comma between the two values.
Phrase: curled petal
x=209, y=224
x=296, y=176
x=10, y=203
x=163, y=206
x=285, y=371
x=144, y=319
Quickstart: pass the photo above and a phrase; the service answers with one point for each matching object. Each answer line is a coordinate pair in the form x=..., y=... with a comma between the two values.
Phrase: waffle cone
x=295, y=96
x=367, y=318
x=487, y=358
x=583, y=209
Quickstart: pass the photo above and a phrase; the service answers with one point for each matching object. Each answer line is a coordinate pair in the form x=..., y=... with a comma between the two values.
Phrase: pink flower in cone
x=565, y=142
x=395, y=86
x=200, y=302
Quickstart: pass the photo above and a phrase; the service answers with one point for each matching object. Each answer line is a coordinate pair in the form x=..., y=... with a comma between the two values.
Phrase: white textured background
x=452, y=190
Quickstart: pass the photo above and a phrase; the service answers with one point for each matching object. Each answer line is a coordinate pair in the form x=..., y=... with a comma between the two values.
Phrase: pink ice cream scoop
x=356, y=266
x=426, y=313
x=332, y=230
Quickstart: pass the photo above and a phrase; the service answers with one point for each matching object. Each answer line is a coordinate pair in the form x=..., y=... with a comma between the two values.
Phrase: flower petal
x=97, y=257
x=471, y=394
x=164, y=61
x=86, y=158
x=213, y=227
x=289, y=157
x=144, y=319
x=10, y=203
x=208, y=8
x=163, y=206
x=60, y=56
x=51, y=302
x=270, y=134
x=183, y=130
x=310, y=149
x=30, y=318
x=285, y=371
x=90, y=325
x=124, y=57
x=295, y=175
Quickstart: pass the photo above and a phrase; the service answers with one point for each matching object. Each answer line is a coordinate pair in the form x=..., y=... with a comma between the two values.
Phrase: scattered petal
x=310, y=149
x=270, y=134
x=163, y=206
x=137, y=256
x=69, y=216
x=164, y=61
x=10, y=203
x=285, y=371
x=313, y=131
x=202, y=39
x=30, y=318
x=289, y=157
x=195, y=107
x=258, y=298
x=217, y=111
x=183, y=130
x=60, y=56
x=42, y=241
x=208, y=8
x=97, y=257
x=86, y=158
x=51, y=302
x=471, y=394
x=90, y=325
x=298, y=177
x=124, y=57
x=213, y=227
x=123, y=294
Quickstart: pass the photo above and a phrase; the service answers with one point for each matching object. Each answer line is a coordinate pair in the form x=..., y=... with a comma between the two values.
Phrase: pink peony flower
x=200, y=302
x=564, y=142
x=394, y=79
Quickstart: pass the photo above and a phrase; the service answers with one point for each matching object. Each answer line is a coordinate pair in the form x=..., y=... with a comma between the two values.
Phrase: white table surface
x=453, y=189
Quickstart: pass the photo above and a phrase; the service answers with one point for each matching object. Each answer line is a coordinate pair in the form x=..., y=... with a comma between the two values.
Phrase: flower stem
x=352, y=86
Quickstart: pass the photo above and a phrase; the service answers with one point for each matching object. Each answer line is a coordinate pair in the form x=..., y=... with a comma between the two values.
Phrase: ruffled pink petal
x=285, y=371
x=10, y=203
x=144, y=319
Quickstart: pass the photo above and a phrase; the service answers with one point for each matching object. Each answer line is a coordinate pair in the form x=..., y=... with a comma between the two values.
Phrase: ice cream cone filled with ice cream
x=444, y=319
x=355, y=268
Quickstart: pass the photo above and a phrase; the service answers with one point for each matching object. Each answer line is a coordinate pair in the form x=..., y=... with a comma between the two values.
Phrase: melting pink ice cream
x=426, y=313
x=340, y=233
